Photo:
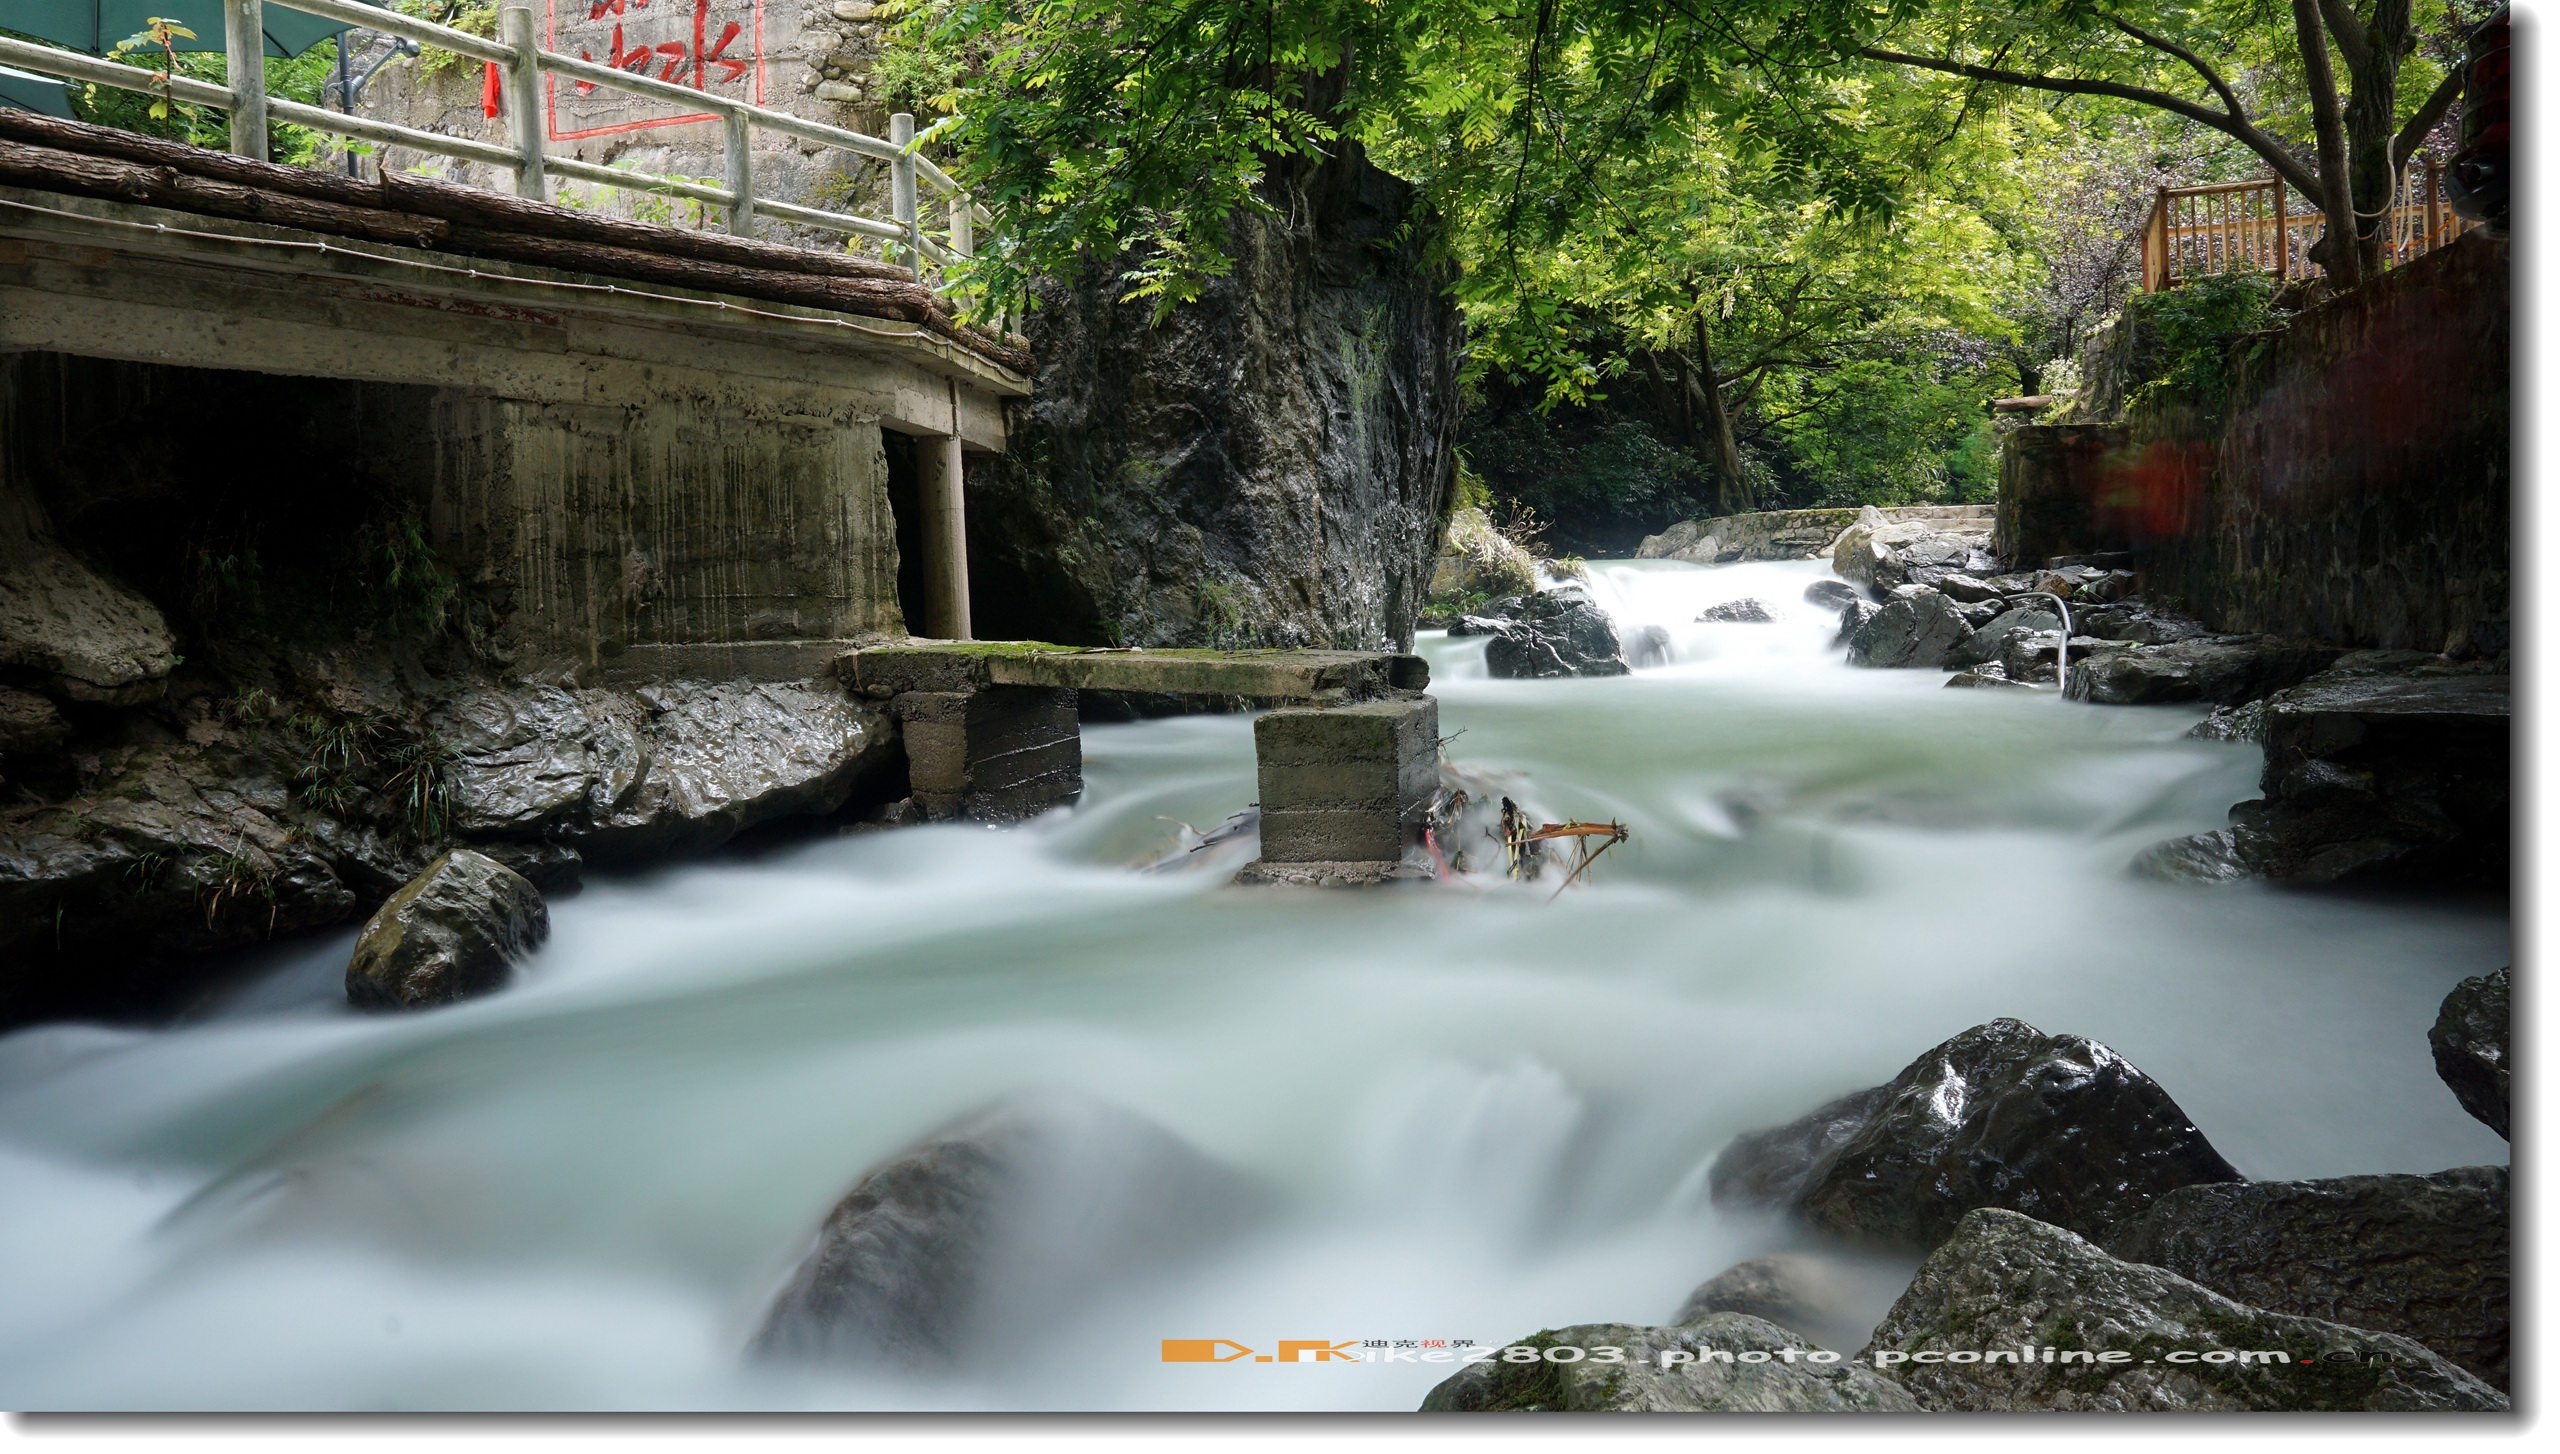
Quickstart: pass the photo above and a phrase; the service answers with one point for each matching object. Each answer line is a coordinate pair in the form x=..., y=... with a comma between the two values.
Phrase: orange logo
x=1228, y=1350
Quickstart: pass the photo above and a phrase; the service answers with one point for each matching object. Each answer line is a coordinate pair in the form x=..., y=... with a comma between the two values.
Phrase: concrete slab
x=1346, y=791
x=1313, y=677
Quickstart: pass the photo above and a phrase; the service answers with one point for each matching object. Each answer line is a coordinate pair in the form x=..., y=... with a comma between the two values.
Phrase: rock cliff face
x=1271, y=465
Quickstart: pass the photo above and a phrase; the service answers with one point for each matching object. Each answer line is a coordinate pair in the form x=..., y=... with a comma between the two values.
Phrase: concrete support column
x=1346, y=791
x=946, y=537
x=996, y=754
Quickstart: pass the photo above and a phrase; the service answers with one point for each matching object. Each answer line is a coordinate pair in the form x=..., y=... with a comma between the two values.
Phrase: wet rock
x=2004, y=1281
x=1755, y=535
x=30, y=726
x=1833, y=594
x=2137, y=622
x=997, y=1229
x=1878, y=553
x=1988, y=641
x=1801, y=1294
x=2033, y=656
x=2226, y=670
x=1853, y=619
x=1745, y=610
x=1723, y=1363
x=2422, y=1256
x=2470, y=1043
x=2245, y=723
x=2216, y=857
x=452, y=934
x=676, y=767
x=1989, y=674
x=1961, y=587
x=1909, y=631
x=1556, y=633
x=2373, y=778
x=84, y=636
x=2003, y=1115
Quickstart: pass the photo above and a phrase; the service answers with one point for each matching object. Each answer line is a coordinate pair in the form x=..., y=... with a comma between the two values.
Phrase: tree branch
x=2196, y=63
x=2354, y=42
x=2239, y=129
x=2430, y=112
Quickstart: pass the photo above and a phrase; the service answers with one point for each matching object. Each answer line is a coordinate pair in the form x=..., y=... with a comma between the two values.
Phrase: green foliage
x=2191, y=332
x=299, y=78
x=414, y=592
x=368, y=765
x=475, y=17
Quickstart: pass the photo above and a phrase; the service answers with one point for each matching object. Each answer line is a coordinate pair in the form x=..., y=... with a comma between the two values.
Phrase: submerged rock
x=1555, y=633
x=2422, y=1256
x=1833, y=594
x=2004, y=1284
x=2470, y=1043
x=1745, y=610
x=1916, y=630
x=998, y=1229
x=1650, y=646
x=1801, y=1294
x=1989, y=674
x=1853, y=619
x=1723, y=1363
x=453, y=933
x=2056, y=1126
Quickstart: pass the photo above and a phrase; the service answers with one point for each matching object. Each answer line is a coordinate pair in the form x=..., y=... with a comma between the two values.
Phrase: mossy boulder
x=453, y=933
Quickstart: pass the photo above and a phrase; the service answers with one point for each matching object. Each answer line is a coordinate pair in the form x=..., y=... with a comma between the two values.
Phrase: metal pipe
x=2061, y=653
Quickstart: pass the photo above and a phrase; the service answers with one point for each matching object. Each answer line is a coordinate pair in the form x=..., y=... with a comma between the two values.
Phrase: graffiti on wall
x=712, y=46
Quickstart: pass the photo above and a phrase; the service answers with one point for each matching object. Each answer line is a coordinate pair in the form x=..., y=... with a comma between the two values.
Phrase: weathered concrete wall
x=601, y=529
x=2056, y=483
x=589, y=530
x=2357, y=490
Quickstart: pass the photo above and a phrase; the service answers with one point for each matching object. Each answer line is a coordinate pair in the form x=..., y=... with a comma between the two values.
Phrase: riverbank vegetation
x=1770, y=254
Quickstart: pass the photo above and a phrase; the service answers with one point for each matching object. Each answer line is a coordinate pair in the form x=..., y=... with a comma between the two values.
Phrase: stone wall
x=2355, y=489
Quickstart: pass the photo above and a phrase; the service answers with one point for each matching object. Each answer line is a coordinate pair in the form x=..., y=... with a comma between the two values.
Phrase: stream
x=1487, y=1109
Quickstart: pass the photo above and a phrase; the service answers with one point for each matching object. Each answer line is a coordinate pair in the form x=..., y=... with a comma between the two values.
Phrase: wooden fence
x=911, y=235
x=2259, y=227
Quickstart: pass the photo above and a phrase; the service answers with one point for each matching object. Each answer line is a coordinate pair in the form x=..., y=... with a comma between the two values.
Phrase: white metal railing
x=522, y=62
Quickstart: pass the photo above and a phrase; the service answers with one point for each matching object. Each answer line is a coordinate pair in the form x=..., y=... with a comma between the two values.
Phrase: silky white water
x=1485, y=1112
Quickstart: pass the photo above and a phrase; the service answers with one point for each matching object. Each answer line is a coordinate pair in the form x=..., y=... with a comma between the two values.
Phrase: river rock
x=1853, y=619
x=2225, y=670
x=1831, y=595
x=1649, y=646
x=2137, y=622
x=1916, y=630
x=2244, y=723
x=2371, y=778
x=1783, y=1374
x=2004, y=1281
x=2422, y=1256
x=679, y=766
x=1989, y=674
x=2003, y=1115
x=1879, y=553
x=453, y=933
x=30, y=726
x=2470, y=1044
x=1554, y=633
x=75, y=631
x=995, y=1230
x=1988, y=641
x=1747, y=609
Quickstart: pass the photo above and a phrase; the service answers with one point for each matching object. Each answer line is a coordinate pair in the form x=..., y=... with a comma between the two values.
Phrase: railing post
x=902, y=190
x=244, y=69
x=736, y=132
x=2284, y=236
x=524, y=99
x=2435, y=203
x=964, y=237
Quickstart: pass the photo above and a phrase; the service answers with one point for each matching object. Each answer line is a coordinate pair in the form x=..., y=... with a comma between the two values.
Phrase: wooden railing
x=2259, y=227
x=522, y=63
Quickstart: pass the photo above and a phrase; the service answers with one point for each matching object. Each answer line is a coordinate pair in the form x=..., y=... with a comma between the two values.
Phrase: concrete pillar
x=946, y=537
x=995, y=754
x=1346, y=791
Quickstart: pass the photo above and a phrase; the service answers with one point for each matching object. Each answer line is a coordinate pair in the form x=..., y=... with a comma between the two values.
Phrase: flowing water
x=1484, y=1111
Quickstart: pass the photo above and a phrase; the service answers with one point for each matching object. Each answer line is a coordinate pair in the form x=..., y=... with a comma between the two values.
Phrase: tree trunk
x=2337, y=251
x=1733, y=494
x=2373, y=90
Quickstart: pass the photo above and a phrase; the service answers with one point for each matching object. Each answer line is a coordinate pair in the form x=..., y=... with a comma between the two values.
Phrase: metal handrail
x=522, y=62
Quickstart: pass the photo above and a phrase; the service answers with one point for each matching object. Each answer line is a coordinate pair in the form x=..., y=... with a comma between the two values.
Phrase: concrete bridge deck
x=649, y=437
